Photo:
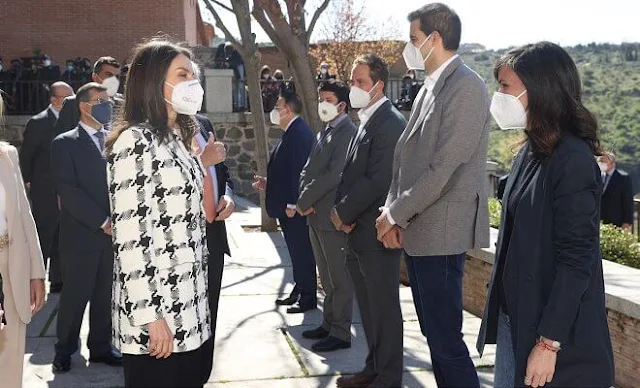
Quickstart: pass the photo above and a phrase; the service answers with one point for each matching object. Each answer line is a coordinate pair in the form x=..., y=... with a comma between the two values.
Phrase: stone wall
x=11, y=129
x=623, y=308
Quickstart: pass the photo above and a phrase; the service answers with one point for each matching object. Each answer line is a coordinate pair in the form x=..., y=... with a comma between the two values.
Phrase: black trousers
x=376, y=281
x=184, y=370
x=303, y=262
x=87, y=276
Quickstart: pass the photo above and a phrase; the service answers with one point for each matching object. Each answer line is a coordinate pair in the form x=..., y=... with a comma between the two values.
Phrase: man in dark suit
x=318, y=183
x=282, y=186
x=375, y=270
x=106, y=71
x=617, y=193
x=35, y=163
x=217, y=241
x=79, y=170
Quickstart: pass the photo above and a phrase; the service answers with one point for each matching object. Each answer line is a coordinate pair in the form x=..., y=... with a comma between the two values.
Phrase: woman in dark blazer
x=546, y=304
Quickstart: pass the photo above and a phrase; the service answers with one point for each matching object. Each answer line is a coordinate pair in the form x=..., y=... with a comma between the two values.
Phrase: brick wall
x=66, y=29
x=625, y=330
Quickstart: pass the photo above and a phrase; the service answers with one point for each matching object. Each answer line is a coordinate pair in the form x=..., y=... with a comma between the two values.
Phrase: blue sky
x=503, y=23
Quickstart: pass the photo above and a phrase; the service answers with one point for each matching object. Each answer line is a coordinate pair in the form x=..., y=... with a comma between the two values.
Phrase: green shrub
x=616, y=244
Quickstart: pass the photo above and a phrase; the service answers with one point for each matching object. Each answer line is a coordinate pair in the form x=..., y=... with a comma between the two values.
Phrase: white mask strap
x=521, y=94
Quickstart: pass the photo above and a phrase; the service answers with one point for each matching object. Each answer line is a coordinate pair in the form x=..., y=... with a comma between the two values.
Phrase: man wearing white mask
x=616, y=207
x=282, y=185
x=374, y=269
x=106, y=71
x=437, y=207
x=318, y=182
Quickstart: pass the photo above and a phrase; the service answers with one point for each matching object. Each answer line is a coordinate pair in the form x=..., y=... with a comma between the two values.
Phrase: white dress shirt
x=3, y=211
x=54, y=111
x=291, y=122
x=92, y=132
x=425, y=95
x=366, y=113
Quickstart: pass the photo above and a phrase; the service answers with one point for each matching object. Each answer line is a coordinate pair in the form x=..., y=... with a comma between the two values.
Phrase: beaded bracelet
x=544, y=346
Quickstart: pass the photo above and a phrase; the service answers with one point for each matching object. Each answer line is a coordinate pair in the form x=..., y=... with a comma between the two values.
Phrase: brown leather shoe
x=359, y=380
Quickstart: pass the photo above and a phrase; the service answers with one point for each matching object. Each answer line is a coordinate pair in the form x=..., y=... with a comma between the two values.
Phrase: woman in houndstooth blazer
x=160, y=309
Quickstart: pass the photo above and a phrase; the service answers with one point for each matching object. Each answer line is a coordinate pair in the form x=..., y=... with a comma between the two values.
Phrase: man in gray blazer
x=437, y=208
x=374, y=269
x=318, y=182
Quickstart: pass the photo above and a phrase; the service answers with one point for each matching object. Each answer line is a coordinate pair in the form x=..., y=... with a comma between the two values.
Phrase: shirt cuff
x=228, y=191
x=105, y=223
x=389, y=218
x=292, y=207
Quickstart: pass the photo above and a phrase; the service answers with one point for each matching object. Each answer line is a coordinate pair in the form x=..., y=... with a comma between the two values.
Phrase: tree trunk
x=262, y=147
x=306, y=85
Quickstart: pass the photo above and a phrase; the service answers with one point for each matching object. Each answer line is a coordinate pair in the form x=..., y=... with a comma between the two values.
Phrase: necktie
x=100, y=136
x=606, y=181
x=325, y=133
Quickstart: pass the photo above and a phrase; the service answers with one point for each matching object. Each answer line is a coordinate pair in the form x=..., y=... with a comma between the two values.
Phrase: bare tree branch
x=223, y=27
x=259, y=14
x=315, y=18
x=221, y=5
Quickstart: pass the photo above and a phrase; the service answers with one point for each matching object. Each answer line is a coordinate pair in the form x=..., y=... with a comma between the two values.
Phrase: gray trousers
x=329, y=251
x=375, y=276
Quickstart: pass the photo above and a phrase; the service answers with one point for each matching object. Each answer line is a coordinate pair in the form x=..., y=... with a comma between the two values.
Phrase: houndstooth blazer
x=159, y=241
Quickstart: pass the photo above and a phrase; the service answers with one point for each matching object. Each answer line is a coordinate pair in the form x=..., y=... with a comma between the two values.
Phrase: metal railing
x=28, y=97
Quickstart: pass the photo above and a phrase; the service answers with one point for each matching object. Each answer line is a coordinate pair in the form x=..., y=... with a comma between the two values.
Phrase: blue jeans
x=436, y=285
x=505, y=368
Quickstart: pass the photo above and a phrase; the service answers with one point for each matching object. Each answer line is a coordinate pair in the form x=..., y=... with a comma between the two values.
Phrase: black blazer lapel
x=383, y=109
x=88, y=145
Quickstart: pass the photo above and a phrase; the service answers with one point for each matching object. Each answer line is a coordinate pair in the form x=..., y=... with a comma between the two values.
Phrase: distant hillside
x=611, y=78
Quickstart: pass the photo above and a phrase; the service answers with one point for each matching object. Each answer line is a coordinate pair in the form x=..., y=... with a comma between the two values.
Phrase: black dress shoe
x=300, y=308
x=113, y=358
x=55, y=288
x=330, y=344
x=289, y=301
x=317, y=333
x=61, y=364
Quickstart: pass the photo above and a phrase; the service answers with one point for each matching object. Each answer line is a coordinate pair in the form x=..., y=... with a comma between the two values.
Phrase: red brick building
x=66, y=29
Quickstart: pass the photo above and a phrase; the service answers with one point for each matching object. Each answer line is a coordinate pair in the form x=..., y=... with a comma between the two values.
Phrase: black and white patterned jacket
x=159, y=241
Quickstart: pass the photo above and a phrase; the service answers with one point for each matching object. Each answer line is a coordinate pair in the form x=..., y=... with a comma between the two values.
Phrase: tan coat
x=25, y=257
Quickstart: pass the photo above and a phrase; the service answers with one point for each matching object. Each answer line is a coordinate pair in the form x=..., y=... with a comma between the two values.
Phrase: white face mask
x=274, y=116
x=413, y=56
x=324, y=70
x=327, y=111
x=360, y=98
x=508, y=111
x=46, y=63
x=112, y=84
x=187, y=97
x=603, y=167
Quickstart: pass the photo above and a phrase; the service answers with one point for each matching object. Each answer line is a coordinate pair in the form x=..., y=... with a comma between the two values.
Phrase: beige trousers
x=12, y=337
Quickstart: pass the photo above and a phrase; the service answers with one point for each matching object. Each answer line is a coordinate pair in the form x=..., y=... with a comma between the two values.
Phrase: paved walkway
x=257, y=344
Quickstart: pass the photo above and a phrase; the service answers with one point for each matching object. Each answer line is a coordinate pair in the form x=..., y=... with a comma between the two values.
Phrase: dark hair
x=110, y=61
x=264, y=69
x=292, y=100
x=143, y=96
x=439, y=17
x=339, y=88
x=278, y=74
x=84, y=93
x=554, y=92
x=378, y=68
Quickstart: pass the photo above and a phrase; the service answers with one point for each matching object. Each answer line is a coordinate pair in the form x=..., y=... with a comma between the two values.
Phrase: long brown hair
x=554, y=92
x=143, y=96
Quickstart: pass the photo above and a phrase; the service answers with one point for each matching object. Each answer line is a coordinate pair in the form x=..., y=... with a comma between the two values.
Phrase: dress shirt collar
x=335, y=122
x=54, y=111
x=291, y=122
x=91, y=131
x=432, y=79
x=366, y=113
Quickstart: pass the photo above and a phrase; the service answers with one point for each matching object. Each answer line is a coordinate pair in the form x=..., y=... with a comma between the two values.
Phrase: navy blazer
x=552, y=277
x=285, y=165
x=80, y=175
x=617, y=200
x=217, y=231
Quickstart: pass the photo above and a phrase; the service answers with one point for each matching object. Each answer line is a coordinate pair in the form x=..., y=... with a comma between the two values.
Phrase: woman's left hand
x=37, y=295
x=540, y=367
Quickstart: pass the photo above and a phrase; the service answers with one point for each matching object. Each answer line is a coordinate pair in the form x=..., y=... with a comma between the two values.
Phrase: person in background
x=318, y=182
x=236, y=63
x=106, y=71
x=79, y=171
x=123, y=77
x=21, y=266
x=324, y=74
x=282, y=185
x=69, y=74
x=269, y=88
x=160, y=204
x=437, y=206
x=546, y=303
x=374, y=269
x=617, y=193
x=35, y=162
